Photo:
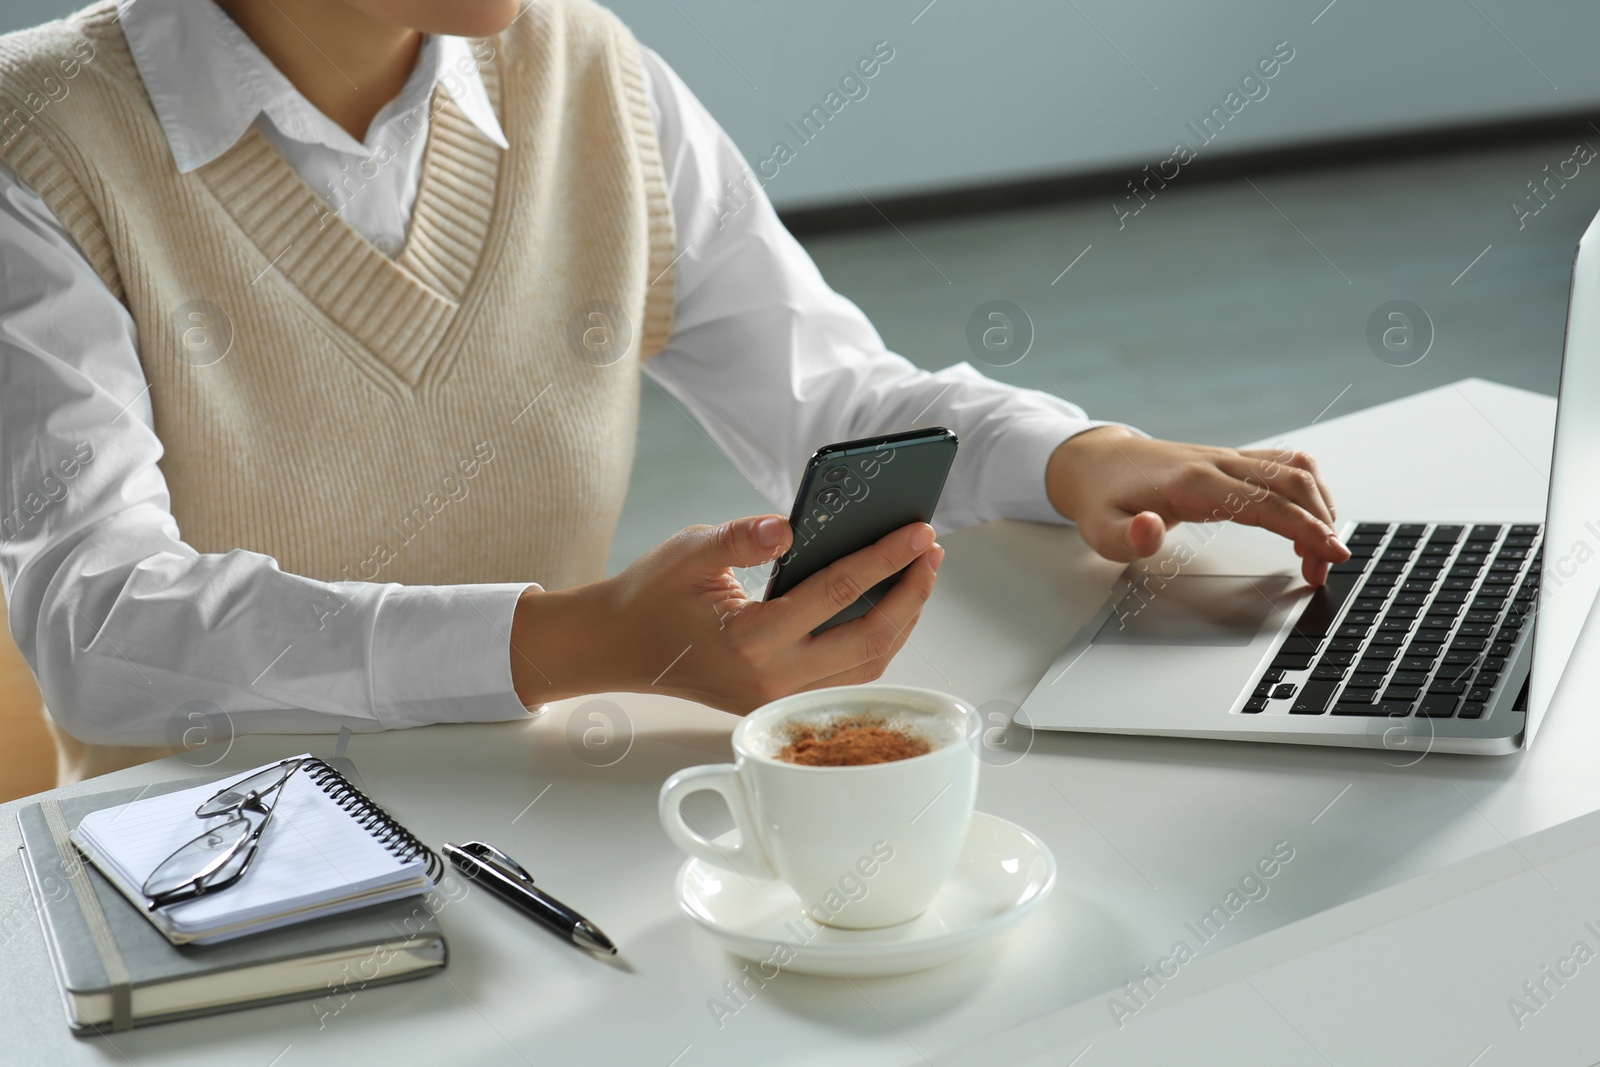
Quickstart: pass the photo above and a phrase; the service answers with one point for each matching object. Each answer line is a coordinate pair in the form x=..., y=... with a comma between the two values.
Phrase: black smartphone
x=856, y=492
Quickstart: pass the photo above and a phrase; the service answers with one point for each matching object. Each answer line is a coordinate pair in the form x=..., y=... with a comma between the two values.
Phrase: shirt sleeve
x=774, y=364
x=124, y=624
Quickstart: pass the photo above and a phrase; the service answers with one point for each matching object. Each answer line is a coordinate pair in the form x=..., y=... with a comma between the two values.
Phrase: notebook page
x=312, y=852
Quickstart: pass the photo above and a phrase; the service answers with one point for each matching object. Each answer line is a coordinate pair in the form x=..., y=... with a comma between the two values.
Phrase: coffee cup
x=864, y=845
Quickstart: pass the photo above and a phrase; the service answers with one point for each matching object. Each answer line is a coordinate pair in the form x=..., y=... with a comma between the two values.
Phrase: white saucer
x=1003, y=873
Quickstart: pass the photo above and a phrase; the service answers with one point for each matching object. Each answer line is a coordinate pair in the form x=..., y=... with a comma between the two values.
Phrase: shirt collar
x=208, y=83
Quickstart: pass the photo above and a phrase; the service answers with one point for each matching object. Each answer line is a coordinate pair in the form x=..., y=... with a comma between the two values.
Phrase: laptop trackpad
x=1196, y=610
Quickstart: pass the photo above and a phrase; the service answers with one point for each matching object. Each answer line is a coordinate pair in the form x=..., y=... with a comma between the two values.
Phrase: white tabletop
x=1149, y=833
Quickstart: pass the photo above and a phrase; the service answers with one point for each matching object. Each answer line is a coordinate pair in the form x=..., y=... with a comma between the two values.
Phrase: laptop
x=1443, y=637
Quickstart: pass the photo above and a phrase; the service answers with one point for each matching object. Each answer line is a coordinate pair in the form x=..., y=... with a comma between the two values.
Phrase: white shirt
x=125, y=624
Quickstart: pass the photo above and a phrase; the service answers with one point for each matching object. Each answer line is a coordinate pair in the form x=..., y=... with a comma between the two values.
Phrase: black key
x=1368, y=529
x=1483, y=533
x=1425, y=571
x=1526, y=530
x=1389, y=566
x=1377, y=652
x=1465, y=570
x=1513, y=552
x=1494, y=664
x=1487, y=678
x=1501, y=583
x=1423, y=649
x=1437, y=550
x=1263, y=690
x=1403, y=611
x=1373, y=666
x=1345, y=644
x=1411, y=600
x=1299, y=645
x=1479, y=693
x=1416, y=663
x=1342, y=659
x=1460, y=583
x=1369, y=603
x=1327, y=672
x=1255, y=705
x=1283, y=691
x=1354, y=565
x=1323, y=606
x=1482, y=616
x=1468, y=644
x=1391, y=709
x=1401, y=692
x=1380, y=583
x=1314, y=699
x=1452, y=596
x=1472, y=710
x=1360, y=618
x=1413, y=678
x=1510, y=627
x=1474, y=629
x=1445, y=685
x=1272, y=675
x=1389, y=637
x=1500, y=650
x=1291, y=663
x=1447, y=534
x=1502, y=566
x=1471, y=559
x=1437, y=706
x=1347, y=630
x=1358, y=696
x=1413, y=584
x=1460, y=657
x=1411, y=529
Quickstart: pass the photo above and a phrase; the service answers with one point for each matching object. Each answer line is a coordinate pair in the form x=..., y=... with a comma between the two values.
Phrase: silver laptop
x=1445, y=637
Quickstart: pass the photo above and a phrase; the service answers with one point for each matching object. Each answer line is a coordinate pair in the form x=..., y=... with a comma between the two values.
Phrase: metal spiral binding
x=372, y=818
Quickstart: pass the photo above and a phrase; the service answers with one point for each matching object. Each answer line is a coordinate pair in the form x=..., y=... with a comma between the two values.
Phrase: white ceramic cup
x=863, y=846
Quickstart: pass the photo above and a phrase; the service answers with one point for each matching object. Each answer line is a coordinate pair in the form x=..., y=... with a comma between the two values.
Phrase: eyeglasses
x=219, y=857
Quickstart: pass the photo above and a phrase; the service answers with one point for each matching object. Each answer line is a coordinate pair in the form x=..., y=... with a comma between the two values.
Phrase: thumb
x=1124, y=538
x=746, y=542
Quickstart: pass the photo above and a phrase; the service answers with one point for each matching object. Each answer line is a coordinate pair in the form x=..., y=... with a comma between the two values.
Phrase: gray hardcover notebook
x=123, y=972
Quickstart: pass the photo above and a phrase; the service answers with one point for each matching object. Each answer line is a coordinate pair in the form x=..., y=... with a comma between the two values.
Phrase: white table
x=1148, y=832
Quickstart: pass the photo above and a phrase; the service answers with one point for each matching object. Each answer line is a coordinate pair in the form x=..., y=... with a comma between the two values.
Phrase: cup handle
x=746, y=857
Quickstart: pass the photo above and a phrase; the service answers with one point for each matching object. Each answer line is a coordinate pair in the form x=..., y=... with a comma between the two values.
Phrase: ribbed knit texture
x=360, y=392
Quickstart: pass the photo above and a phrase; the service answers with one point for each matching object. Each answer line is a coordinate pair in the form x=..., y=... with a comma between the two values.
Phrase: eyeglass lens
x=212, y=855
x=260, y=783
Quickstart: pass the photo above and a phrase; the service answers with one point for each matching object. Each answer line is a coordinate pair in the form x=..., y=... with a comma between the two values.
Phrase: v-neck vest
x=463, y=412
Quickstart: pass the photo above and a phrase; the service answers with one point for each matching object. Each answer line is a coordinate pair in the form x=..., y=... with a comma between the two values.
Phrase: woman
x=322, y=326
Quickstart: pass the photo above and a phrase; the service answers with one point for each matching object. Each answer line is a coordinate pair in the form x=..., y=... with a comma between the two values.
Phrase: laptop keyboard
x=1421, y=620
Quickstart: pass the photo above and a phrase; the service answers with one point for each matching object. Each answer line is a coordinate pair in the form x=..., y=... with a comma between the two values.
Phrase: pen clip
x=485, y=852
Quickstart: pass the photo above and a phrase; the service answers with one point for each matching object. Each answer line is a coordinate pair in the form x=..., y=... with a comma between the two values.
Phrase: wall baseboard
x=1111, y=182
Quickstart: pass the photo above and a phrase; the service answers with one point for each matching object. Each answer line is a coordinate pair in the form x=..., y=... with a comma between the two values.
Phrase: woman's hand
x=1126, y=491
x=677, y=621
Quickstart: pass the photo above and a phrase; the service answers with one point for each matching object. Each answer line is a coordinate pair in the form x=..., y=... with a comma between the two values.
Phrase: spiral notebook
x=327, y=849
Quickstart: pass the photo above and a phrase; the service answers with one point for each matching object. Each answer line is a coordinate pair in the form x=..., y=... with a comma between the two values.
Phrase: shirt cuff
x=442, y=653
x=1015, y=482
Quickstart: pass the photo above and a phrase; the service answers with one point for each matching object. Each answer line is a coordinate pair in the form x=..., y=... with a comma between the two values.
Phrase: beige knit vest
x=464, y=412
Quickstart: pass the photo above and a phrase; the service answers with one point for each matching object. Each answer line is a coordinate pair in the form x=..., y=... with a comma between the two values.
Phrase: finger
x=1287, y=519
x=882, y=631
x=1124, y=537
x=1267, y=473
x=1306, y=462
x=838, y=585
x=743, y=542
x=1314, y=570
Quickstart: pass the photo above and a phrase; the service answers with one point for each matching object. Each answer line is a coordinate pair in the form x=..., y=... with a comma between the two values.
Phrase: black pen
x=503, y=876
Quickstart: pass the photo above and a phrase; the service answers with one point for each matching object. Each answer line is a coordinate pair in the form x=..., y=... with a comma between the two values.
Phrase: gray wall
x=991, y=91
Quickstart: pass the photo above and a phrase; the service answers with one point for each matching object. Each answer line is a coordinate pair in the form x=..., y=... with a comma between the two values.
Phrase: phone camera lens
x=830, y=497
x=836, y=474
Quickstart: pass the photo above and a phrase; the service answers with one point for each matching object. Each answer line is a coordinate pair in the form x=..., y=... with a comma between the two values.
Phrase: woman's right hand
x=678, y=621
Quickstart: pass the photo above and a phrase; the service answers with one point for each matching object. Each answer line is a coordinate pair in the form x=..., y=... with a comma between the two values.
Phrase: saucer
x=1004, y=872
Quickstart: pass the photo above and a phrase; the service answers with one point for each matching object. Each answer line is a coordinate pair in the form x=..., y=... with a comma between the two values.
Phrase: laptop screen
x=1571, y=574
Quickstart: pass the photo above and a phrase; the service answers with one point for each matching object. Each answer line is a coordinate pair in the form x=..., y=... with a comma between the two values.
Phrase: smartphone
x=856, y=492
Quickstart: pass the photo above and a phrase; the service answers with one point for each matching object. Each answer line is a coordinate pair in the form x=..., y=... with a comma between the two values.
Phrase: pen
x=503, y=876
